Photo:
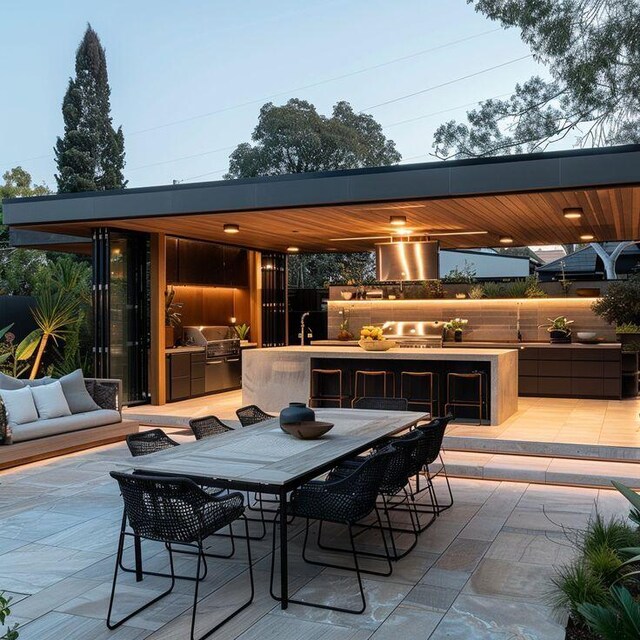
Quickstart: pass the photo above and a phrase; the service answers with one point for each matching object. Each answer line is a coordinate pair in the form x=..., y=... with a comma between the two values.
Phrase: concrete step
x=541, y=470
x=546, y=449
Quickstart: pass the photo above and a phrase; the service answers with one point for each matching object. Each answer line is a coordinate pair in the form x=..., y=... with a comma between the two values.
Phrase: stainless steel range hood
x=407, y=260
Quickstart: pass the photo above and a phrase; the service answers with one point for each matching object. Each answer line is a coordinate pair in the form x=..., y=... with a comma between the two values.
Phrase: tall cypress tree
x=90, y=155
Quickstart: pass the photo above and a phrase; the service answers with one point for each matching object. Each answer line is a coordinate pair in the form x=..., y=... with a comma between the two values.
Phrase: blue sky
x=171, y=61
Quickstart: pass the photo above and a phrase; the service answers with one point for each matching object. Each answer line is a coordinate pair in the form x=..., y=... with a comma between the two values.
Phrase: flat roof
x=464, y=203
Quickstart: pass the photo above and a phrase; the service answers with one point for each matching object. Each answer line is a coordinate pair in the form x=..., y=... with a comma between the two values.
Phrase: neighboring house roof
x=585, y=260
x=550, y=255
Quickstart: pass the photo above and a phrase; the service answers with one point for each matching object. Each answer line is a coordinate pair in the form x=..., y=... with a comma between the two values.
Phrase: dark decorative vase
x=297, y=412
x=457, y=335
x=559, y=337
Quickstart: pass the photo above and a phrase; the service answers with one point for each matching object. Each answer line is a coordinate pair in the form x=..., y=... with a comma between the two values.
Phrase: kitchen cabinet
x=570, y=372
x=185, y=373
x=192, y=262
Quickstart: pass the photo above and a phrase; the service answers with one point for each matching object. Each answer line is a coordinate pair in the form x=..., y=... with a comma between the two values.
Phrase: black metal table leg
x=284, y=555
x=137, y=547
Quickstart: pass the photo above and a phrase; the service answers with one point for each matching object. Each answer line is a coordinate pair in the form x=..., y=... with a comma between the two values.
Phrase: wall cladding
x=488, y=319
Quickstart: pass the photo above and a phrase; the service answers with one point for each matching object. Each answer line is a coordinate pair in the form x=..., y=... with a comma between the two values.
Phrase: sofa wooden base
x=33, y=450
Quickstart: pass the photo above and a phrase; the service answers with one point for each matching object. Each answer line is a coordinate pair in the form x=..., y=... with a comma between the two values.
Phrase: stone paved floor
x=480, y=572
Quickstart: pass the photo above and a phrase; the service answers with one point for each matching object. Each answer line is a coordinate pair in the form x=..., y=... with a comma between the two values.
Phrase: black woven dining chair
x=434, y=431
x=146, y=442
x=381, y=404
x=343, y=501
x=175, y=510
x=408, y=451
x=208, y=426
x=252, y=414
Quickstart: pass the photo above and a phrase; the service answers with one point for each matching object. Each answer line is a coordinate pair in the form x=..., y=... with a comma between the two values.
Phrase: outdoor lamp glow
x=572, y=213
x=398, y=221
x=231, y=228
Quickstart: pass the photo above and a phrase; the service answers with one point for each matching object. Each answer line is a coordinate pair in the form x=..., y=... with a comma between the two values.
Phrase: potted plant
x=456, y=325
x=559, y=330
x=344, y=333
x=172, y=316
x=620, y=305
x=242, y=330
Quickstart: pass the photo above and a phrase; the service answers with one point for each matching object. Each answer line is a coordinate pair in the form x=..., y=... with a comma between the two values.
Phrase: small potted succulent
x=456, y=325
x=559, y=330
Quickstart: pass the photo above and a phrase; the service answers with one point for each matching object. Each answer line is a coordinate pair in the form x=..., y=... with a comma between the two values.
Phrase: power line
x=301, y=88
x=314, y=84
x=445, y=84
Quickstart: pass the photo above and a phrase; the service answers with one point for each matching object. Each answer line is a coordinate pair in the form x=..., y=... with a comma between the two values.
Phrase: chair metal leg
x=197, y=584
x=114, y=625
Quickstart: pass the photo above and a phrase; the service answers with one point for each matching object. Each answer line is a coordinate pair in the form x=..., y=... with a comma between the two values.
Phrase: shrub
x=621, y=303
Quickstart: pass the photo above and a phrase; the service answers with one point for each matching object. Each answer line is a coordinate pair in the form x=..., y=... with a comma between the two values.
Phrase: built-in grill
x=223, y=369
x=418, y=334
x=217, y=340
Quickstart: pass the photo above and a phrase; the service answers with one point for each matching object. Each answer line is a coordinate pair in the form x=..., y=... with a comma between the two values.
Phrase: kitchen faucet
x=304, y=316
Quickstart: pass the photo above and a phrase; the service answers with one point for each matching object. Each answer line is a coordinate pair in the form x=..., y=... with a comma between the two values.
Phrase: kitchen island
x=276, y=376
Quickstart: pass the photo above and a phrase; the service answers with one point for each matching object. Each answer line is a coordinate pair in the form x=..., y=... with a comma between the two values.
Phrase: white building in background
x=486, y=263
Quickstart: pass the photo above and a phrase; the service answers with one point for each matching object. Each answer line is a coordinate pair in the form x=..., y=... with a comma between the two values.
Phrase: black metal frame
x=274, y=299
x=282, y=492
x=197, y=578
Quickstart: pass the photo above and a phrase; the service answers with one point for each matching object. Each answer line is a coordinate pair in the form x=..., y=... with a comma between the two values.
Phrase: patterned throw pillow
x=6, y=437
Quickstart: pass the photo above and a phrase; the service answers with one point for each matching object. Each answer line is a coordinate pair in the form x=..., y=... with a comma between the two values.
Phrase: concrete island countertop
x=472, y=344
x=273, y=377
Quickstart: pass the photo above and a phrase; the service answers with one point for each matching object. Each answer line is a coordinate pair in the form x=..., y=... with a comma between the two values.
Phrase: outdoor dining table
x=265, y=459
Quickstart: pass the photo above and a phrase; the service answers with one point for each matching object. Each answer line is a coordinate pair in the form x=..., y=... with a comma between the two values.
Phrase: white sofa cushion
x=55, y=426
x=50, y=401
x=19, y=405
x=75, y=391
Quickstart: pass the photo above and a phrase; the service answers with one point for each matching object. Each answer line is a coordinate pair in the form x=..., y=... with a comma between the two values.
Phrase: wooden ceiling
x=609, y=214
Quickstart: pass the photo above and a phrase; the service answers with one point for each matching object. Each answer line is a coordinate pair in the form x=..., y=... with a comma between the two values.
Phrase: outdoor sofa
x=45, y=417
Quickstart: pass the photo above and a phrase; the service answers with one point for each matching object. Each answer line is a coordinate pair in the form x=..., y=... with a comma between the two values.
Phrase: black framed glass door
x=121, y=311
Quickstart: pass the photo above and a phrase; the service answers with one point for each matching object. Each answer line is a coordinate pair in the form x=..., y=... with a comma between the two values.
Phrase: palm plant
x=618, y=621
x=54, y=314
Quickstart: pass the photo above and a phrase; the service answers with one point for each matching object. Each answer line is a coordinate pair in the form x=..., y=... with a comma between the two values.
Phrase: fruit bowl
x=307, y=430
x=377, y=345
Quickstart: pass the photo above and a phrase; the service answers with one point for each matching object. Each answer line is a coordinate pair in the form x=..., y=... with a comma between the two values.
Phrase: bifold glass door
x=121, y=310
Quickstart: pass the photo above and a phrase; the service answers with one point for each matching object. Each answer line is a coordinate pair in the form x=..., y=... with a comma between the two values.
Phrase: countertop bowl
x=586, y=336
x=307, y=430
x=377, y=345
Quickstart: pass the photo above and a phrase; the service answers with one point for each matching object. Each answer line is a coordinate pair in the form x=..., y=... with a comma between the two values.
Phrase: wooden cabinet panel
x=554, y=387
x=561, y=368
x=612, y=388
x=529, y=353
x=236, y=267
x=587, y=387
x=555, y=353
x=611, y=369
x=587, y=369
x=587, y=354
x=172, y=261
x=528, y=367
x=528, y=385
x=180, y=365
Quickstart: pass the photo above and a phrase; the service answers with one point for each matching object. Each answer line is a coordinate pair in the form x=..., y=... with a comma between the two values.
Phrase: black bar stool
x=323, y=380
x=428, y=380
x=360, y=384
x=477, y=380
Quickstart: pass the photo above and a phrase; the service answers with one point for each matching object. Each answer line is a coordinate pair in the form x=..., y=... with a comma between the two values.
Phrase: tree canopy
x=591, y=49
x=90, y=155
x=19, y=268
x=295, y=138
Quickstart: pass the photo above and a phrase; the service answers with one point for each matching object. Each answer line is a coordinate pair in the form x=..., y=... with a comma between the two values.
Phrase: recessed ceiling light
x=572, y=213
x=293, y=249
x=398, y=221
x=231, y=228
x=404, y=232
x=506, y=239
x=586, y=236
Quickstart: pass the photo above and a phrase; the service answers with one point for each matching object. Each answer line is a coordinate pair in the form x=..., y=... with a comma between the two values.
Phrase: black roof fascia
x=571, y=169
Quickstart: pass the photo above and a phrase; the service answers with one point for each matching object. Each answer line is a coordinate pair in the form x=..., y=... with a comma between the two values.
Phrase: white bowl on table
x=587, y=336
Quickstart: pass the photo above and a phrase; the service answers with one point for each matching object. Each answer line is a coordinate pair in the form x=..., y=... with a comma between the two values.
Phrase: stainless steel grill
x=217, y=341
x=416, y=334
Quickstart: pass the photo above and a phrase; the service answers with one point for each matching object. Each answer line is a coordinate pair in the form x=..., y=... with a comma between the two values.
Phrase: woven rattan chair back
x=145, y=442
x=208, y=426
x=434, y=435
x=405, y=462
x=382, y=404
x=162, y=509
x=252, y=414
